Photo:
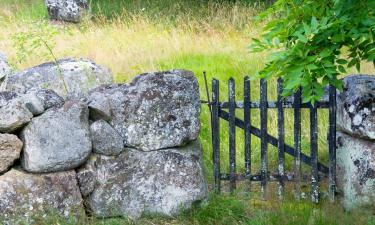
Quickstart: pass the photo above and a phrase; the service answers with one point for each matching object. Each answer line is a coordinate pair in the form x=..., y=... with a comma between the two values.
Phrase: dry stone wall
x=93, y=146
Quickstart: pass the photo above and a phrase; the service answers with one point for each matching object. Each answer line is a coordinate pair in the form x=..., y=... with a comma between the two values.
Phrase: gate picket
x=264, y=142
x=216, y=134
x=297, y=144
x=281, y=137
x=232, y=134
x=332, y=143
x=247, y=129
x=314, y=153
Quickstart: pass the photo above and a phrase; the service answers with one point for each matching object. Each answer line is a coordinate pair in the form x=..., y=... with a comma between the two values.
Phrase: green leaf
x=326, y=52
x=358, y=66
x=341, y=69
x=341, y=61
x=307, y=29
x=312, y=67
x=352, y=62
x=302, y=38
x=314, y=23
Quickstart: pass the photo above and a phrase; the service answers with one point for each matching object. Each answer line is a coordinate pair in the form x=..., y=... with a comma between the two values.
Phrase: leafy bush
x=316, y=40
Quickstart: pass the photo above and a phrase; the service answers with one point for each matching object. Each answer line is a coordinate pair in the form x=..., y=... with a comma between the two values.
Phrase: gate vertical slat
x=297, y=144
x=232, y=134
x=264, y=141
x=216, y=134
x=332, y=143
x=281, y=138
x=247, y=130
x=314, y=152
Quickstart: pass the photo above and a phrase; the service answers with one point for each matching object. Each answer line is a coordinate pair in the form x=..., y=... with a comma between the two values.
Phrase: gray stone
x=50, y=98
x=6, y=96
x=10, y=149
x=33, y=103
x=67, y=10
x=68, y=77
x=105, y=139
x=99, y=106
x=355, y=171
x=356, y=106
x=155, y=111
x=57, y=140
x=16, y=110
x=13, y=115
x=136, y=182
x=23, y=195
x=5, y=70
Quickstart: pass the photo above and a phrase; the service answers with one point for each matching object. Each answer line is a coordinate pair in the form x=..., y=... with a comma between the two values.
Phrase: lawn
x=133, y=37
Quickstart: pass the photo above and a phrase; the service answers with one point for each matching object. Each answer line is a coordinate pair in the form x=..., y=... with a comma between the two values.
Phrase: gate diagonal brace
x=273, y=141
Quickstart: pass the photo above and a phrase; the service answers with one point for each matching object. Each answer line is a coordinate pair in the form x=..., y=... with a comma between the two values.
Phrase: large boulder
x=356, y=106
x=155, y=111
x=136, y=182
x=10, y=150
x=57, y=140
x=24, y=195
x=355, y=170
x=67, y=77
x=5, y=69
x=67, y=10
x=105, y=139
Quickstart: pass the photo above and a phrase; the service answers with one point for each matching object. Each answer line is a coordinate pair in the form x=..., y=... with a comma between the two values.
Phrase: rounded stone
x=105, y=139
x=57, y=140
x=356, y=106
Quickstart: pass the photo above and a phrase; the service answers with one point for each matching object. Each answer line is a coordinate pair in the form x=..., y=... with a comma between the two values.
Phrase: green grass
x=132, y=37
x=227, y=210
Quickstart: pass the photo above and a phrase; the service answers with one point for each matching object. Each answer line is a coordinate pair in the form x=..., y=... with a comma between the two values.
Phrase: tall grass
x=132, y=37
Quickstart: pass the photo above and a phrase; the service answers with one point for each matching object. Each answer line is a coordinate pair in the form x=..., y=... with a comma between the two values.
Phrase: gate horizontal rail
x=318, y=170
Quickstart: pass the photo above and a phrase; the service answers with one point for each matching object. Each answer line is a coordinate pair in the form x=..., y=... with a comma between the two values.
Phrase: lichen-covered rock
x=23, y=195
x=13, y=112
x=57, y=140
x=136, y=182
x=50, y=98
x=155, y=111
x=10, y=149
x=67, y=10
x=33, y=103
x=69, y=76
x=6, y=96
x=355, y=170
x=105, y=139
x=5, y=69
x=99, y=106
x=356, y=106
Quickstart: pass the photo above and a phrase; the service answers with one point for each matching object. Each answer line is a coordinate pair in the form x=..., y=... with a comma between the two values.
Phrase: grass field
x=132, y=37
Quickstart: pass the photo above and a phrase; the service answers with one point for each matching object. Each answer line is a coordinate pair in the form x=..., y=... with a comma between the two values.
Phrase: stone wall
x=356, y=141
x=72, y=142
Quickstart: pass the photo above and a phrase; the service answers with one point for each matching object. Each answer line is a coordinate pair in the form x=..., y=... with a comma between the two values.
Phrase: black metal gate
x=226, y=110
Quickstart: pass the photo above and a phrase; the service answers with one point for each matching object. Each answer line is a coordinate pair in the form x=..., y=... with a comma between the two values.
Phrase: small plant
x=315, y=41
x=39, y=40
